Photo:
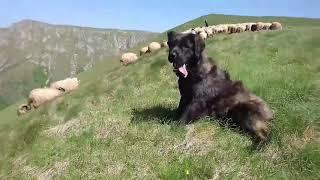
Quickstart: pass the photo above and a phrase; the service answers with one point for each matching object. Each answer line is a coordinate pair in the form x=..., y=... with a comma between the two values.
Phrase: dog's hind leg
x=257, y=128
x=261, y=119
x=261, y=131
x=250, y=123
x=254, y=117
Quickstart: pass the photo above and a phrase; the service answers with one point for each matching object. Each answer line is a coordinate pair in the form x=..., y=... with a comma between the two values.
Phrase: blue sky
x=152, y=15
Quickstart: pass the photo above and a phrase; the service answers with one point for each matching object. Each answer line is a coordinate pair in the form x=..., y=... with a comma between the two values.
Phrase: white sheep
x=209, y=31
x=203, y=35
x=223, y=28
x=164, y=44
x=66, y=85
x=154, y=46
x=266, y=26
x=241, y=28
x=39, y=96
x=248, y=26
x=276, y=26
x=143, y=50
x=232, y=28
x=212, y=29
x=128, y=58
x=260, y=26
x=216, y=29
x=199, y=29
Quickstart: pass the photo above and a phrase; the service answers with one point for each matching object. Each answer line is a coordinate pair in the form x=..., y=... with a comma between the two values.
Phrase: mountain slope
x=34, y=53
x=120, y=123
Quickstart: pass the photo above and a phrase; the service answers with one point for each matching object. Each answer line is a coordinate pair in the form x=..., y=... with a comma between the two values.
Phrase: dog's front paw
x=183, y=120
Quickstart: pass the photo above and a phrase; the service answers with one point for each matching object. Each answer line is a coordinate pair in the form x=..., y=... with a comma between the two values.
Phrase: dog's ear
x=199, y=45
x=171, y=35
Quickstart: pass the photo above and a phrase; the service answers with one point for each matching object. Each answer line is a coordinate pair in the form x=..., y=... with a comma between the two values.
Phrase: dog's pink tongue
x=183, y=70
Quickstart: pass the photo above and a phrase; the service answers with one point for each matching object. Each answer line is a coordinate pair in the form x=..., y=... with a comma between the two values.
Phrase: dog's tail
x=254, y=116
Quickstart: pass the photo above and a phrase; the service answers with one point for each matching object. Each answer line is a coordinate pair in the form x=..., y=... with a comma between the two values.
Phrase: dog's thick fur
x=207, y=90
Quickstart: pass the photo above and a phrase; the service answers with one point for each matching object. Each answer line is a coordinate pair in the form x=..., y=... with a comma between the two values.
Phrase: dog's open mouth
x=182, y=70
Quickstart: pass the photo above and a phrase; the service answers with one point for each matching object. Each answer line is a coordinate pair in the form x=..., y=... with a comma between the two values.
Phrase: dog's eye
x=171, y=57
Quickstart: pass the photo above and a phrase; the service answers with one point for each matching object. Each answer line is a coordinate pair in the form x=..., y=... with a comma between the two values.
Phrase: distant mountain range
x=34, y=53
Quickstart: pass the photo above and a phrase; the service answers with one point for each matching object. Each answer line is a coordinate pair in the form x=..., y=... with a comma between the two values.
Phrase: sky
x=150, y=15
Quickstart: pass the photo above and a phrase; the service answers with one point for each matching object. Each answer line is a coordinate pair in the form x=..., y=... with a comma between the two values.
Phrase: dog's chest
x=204, y=89
x=201, y=89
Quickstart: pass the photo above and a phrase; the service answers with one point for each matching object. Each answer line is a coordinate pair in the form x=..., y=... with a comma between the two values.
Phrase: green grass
x=120, y=123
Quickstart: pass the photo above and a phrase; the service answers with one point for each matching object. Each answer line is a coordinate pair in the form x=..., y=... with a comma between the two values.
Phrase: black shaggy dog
x=207, y=90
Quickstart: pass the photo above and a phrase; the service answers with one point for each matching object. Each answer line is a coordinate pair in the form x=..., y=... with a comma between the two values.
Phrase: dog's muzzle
x=181, y=70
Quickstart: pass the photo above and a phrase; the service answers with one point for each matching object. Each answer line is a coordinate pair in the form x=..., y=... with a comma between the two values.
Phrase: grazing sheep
x=143, y=50
x=214, y=29
x=203, y=35
x=266, y=26
x=241, y=28
x=128, y=58
x=217, y=29
x=199, y=29
x=248, y=26
x=232, y=28
x=209, y=31
x=66, y=85
x=23, y=109
x=37, y=97
x=260, y=26
x=224, y=28
x=164, y=44
x=276, y=26
x=254, y=27
x=154, y=46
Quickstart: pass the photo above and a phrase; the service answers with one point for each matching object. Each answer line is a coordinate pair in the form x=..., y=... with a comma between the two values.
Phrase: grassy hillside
x=33, y=53
x=120, y=123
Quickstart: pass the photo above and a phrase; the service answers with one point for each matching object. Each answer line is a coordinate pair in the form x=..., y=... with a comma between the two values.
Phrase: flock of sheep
x=129, y=58
x=204, y=32
x=40, y=96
